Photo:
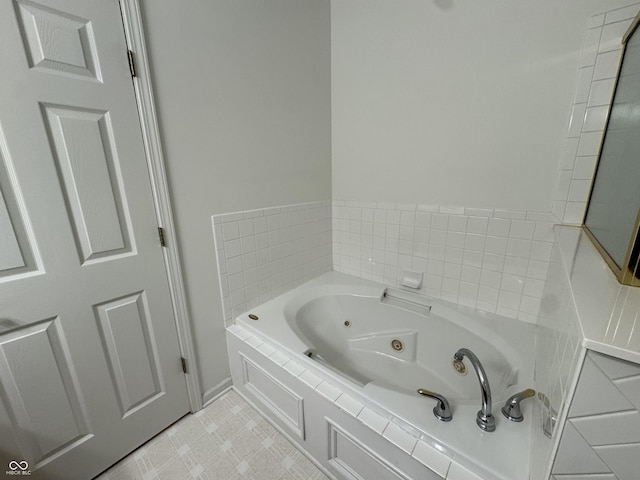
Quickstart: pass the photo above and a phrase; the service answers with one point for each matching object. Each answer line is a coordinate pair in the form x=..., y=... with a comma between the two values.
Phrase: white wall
x=243, y=95
x=453, y=102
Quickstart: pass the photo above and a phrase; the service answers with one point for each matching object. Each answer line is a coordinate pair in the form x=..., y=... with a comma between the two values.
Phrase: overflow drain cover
x=397, y=345
x=252, y=316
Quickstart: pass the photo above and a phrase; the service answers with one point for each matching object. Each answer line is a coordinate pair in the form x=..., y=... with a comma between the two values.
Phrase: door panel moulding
x=134, y=34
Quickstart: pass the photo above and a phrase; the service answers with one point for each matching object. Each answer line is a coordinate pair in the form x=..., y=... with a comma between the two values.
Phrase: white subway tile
x=349, y=404
x=406, y=207
x=438, y=237
x=393, y=217
x=452, y=270
x=423, y=220
x=533, y=287
x=611, y=38
x=564, y=184
x=499, y=227
x=510, y=300
x=569, y=155
x=541, y=251
x=512, y=283
x=431, y=458
x=457, y=223
x=478, y=212
x=475, y=242
x=477, y=225
x=455, y=239
x=579, y=190
x=428, y=208
x=589, y=143
x=266, y=349
x=577, y=119
x=601, y=92
x=607, y=65
x=234, y=265
x=450, y=286
x=574, y=213
x=248, y=244
x=496, y=245
x=625, y=13
x=583, y=85
x=530, y=305
x=596, y=21
x=373, y=420
x=310, y=378
x=453, y=255
x=542, y=217
x=472, y=258
x=232, y=248
x=451, y=210
x=400, y=438
x=468, y=293
x=458, y=472
x=595, y=119
x=407, y=218
x=512, y=214
x=294, y=368
x=493, y=262
x=537, y=269
x=543, y=232
x=522, y=229
x=584, y=168
x=329, y=391
x=516, y=266
x=470, y=274
x=590, y=47
x=231, y=217
x=518, y=247
x=439, y=221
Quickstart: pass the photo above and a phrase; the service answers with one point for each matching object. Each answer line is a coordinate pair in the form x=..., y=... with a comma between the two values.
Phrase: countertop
x=608, y=312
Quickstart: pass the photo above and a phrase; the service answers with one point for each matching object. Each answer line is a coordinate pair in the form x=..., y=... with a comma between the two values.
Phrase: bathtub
x=380, y=344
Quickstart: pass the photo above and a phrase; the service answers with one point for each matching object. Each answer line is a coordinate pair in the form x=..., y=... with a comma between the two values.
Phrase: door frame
x=134, y=35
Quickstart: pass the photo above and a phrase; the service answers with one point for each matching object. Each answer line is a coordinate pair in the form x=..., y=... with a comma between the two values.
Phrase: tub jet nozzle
x=459, y=367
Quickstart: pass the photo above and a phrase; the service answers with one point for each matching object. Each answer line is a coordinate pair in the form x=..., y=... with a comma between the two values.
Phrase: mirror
x=613, y=213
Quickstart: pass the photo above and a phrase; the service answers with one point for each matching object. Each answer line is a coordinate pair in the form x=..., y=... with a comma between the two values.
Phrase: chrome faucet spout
x=485, y=419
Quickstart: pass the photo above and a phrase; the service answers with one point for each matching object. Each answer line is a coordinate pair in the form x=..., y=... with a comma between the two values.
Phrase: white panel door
x=89, y=357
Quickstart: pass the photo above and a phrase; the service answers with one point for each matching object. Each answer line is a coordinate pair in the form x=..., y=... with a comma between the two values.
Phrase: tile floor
x=228, y=440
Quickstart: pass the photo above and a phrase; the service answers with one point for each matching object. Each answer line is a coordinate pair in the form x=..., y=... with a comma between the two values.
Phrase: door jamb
x=134, y=35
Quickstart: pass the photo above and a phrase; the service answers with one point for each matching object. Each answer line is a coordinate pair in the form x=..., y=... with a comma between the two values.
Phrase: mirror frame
x=629, y=271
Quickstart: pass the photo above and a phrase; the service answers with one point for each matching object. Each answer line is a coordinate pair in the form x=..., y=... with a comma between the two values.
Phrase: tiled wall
x=599, y=63
x=495, y=260
x=265, y=252
x=557, y=358
x=602, y=433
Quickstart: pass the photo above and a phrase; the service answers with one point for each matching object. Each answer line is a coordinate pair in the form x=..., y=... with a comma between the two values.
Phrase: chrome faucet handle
x=511, y=408
x=442, y=411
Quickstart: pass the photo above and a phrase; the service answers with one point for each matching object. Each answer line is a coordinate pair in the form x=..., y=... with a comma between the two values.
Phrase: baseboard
x=213, y=393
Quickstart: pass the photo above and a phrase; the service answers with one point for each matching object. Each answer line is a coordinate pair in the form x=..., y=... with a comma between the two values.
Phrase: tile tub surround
x=598, y=68
x=557, y=358
x=265, y=252
x=602, y=433
x=584, y=309
x=492, y=260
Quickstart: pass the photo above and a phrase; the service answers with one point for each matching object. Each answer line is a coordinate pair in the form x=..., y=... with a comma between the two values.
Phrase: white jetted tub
x=381, y=344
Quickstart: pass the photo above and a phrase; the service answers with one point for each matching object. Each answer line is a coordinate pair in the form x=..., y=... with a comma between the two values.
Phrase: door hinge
x=163, y=242
x=184, y=364
x=132, y=63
